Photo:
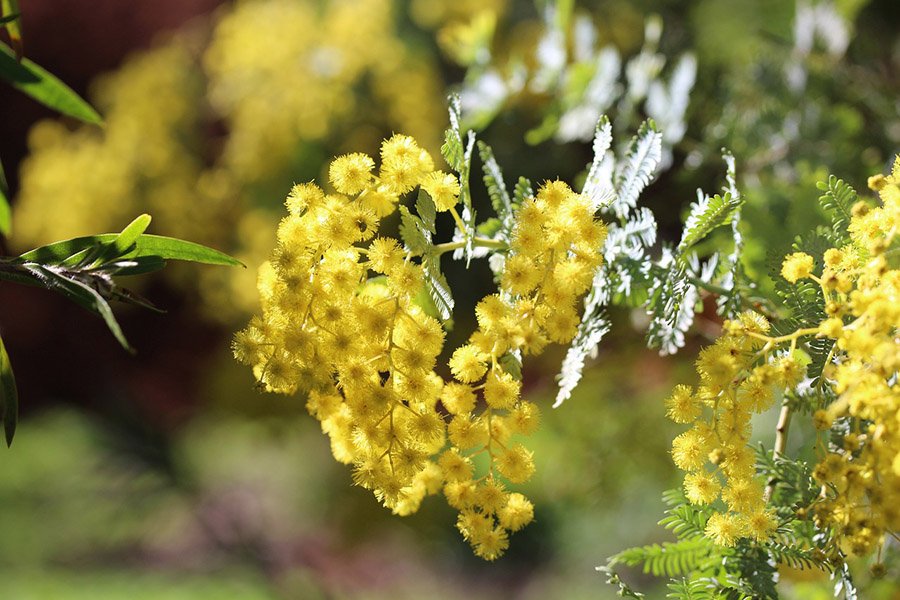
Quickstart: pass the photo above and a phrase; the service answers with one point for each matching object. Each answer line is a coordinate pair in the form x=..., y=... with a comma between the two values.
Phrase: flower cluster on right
x=859, y=447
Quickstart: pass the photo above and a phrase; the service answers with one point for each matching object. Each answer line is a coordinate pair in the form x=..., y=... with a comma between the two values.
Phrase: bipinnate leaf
x=598, y=185
x=838, y=201
x=9, y=397
x=44, y=87
x=707, y=213
x=493, y=181
x=637, y=168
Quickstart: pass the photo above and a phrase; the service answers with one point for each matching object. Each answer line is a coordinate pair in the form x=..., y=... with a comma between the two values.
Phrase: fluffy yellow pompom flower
x=682, y=406
x=517, y=513
x=796, y=266
x=443, y=189
x=467, y=364
x=723, y=529
x=702, y=487
x=351, y=173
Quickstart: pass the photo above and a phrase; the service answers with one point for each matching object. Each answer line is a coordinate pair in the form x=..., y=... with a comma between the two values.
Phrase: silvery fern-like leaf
x=729, y=305
x=598, y=186
x=667, y=104
x=578, y=121
x=493, y=181
x=637, y=168
x=671, y=306
x=632, y=238
x=550, y=56
x=437, y=286
x=646, y=66
x=589, y=334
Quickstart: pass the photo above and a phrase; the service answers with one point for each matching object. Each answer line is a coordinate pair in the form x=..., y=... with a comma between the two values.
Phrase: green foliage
x=691, y=589
x=706, y=215
x=9, y=19
x=9, y=397
x=838, y=201
x=5, y=210
x=669, y=559
x=493, y=181
x=82, y=270
x=426, y=210
x=42, y=86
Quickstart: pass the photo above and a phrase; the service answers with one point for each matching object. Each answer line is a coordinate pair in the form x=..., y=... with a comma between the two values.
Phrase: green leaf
x=5, y=210
x=129, y=236
x=452, y=149
x=122, y=243
x=9, y=397
x=42, y=86
x=706, y=215
x=82, y=294
x=426, y=209
x=11, y=13
x=413, y=232
x=146, y=245
x=669, y=559
x=489, y=228
x=493, y=181
x=838, y=202
x=523, y=191
x=437, y=286
x=511, y=362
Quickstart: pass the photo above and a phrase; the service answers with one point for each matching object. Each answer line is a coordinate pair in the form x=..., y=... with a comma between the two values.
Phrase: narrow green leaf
x=131, y=233
x=146, y=245
x=5, y=210
x=11, y=13
x=9, y=397
x=426, y=209
x=122, y=243
x=44, y=87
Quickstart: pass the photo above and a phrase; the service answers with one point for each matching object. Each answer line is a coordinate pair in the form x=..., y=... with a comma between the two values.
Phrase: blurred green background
x=167, y=476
